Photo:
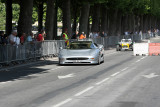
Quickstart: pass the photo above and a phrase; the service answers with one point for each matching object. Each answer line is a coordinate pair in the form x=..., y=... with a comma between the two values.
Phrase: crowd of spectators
x=20, y=38
x=151, y=32
x=82, y=35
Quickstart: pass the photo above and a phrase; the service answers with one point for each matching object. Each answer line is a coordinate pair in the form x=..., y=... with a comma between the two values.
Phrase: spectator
x=103, y=34
x=126, y=33
x=3, y=38
x=95, y=35
x=65, y=37
x=75, y=35
x=90, y=35
x=12, y=37
x=150, y=33
x=22, y=38
x=34, y=37
x=82, y=36
x=29, y=38
x=17, y=40
x=41, y=36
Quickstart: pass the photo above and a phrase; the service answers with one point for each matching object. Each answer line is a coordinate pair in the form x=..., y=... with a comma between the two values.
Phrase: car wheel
x=103, y=59
x=99, y=60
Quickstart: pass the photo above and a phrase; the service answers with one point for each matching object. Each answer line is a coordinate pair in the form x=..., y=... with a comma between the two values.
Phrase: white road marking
x=31, y=75
x=152, y=75
x=125, y=69
x=143, y=58
x=115, y=74
x=87, y=89
x=98, y=83
x=63, y=102
x=66, y=76
x=138, y=60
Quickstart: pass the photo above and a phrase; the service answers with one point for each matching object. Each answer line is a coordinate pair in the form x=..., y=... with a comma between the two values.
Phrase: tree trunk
x=126, y=24
x=8, y=16
x=84, y=18
x=131, y=21
x=40, y=16
x=153, y=22
x=55, y=22
x=113, y=15
x=66, y=16
x=96, y=18
x=146, y=23
x=137, y=21
x=141, y=23
x=119, y=24
x=74, y=27
x=104, y=20
x=25, y=18
x=158, y=24
x=50, y=19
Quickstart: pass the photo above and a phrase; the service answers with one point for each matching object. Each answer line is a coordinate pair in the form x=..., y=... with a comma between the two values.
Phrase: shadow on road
x=24, y=72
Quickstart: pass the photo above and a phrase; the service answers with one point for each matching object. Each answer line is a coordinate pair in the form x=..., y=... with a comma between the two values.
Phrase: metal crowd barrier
x=27, y=51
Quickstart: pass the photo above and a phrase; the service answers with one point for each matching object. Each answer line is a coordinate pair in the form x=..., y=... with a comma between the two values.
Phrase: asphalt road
x=122, y=80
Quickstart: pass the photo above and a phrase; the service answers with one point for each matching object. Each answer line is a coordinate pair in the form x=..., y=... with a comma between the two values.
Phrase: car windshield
x=81, y=45
x=126, y=40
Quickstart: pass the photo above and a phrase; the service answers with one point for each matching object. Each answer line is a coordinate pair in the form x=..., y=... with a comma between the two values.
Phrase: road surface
x=123, y=80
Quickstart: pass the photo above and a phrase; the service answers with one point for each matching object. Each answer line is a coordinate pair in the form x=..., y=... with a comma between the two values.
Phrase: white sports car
x=82, y=52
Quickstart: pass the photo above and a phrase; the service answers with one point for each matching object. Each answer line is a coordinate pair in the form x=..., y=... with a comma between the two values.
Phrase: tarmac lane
x=121, y=76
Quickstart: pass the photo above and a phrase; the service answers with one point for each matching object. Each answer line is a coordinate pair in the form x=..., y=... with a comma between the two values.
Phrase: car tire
x=103, y=60
x=99, y=61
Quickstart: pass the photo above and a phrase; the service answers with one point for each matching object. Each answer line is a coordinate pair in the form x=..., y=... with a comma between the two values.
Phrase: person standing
x=3, y=38
x=82, y=36
x=65, y=37
x=22, y=38
x=41, y=36
x=75, y=35
x=29, y=38
x=12, y=37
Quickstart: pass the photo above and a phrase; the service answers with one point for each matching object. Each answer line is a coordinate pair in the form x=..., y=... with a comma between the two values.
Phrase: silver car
x=82, y=52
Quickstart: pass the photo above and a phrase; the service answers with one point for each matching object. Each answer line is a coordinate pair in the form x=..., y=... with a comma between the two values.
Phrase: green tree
x=2, y=16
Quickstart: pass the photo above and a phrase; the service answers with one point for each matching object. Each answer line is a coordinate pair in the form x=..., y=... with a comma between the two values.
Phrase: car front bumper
x=87, y=61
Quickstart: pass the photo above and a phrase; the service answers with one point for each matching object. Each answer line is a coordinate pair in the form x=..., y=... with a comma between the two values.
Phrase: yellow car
x=125, y=44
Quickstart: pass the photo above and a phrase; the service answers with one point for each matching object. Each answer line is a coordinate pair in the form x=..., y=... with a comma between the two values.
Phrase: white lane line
x=31, y=75
x=115, y=74
x=142, y=58
x=98, y=83
x=138, y=60
x=125, y=69
x=87, y=89
x=63, y=102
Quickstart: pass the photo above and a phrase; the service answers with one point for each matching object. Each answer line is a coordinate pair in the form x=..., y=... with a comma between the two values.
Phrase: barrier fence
x=28, y=51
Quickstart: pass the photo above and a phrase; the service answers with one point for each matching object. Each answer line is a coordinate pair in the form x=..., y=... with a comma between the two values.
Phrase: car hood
x=82, y=52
